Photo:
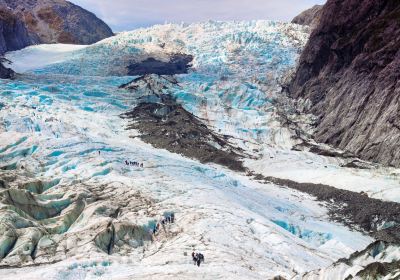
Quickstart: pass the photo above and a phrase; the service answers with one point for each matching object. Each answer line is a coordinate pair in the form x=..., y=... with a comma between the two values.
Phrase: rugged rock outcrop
x=5, y=73
x=310, y=17
x=57, y=21
x=13, y=36
x=13, y=33
x=350, y=72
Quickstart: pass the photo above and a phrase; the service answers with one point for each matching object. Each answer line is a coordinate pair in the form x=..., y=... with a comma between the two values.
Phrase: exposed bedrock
x=13, y=32
x=6, y=73
x=165, y=124
x=310, y=17
x=58, y=21
x=350, y=71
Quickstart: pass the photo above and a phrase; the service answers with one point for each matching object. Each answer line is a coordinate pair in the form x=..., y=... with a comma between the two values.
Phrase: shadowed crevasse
x=177, y=64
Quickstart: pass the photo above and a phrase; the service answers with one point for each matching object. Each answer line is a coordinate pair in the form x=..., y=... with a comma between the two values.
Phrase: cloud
x=129, y=14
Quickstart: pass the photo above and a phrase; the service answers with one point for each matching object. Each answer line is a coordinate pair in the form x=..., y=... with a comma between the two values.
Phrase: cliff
x=58, y=21
x=309, y=17
x=13, y=34
x=350, y=71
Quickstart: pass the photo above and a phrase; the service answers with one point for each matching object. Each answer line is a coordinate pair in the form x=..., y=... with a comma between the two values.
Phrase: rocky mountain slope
x=13, y=36
x=58, y=21
x=13, y=32
x=350, y=71
x=310, y=17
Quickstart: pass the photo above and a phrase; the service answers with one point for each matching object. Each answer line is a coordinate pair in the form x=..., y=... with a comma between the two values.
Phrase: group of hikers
x=133, y=163
x=198, y=258
x=167, y=219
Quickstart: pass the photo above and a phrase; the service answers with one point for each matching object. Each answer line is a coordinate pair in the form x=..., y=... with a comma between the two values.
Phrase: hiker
x=172, y=217
x=199, y=258
x=99, y=152
x=151, y=235
x=126, y=162
x=141, y=165
x=163, y=225
x=194, y=258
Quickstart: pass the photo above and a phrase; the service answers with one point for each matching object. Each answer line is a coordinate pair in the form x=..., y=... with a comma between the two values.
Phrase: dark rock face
x=350, y=70
x=6, y=73
x=379, y=270
x=13, y=34
x=178, y=64
x=310, y=17
x=58, y=21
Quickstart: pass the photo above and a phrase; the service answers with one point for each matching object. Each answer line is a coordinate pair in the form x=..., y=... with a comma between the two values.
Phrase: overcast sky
x=129, y=14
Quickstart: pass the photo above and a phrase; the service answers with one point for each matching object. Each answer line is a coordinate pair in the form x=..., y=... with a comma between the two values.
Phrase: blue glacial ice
x=61, y=121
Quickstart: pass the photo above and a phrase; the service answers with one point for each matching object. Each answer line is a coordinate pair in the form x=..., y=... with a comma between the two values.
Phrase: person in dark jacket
x=194, y=258
x=201, y=257
x=198, y=259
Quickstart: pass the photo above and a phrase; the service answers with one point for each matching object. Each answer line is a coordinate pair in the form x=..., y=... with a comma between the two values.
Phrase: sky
x=123, y=15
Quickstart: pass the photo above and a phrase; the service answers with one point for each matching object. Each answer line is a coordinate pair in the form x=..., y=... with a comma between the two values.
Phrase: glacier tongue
x=67, y=195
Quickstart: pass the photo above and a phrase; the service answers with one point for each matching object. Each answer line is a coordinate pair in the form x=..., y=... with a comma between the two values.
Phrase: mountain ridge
x=30, y=22
x=349, y=70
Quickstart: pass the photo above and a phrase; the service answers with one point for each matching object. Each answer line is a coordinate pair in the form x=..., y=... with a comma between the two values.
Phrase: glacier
x=71, y=205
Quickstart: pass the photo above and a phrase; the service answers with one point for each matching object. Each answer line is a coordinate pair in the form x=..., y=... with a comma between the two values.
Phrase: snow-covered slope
x=64, y=146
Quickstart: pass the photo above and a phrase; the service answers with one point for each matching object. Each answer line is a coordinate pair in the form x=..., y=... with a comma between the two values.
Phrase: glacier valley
x=72, y=208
